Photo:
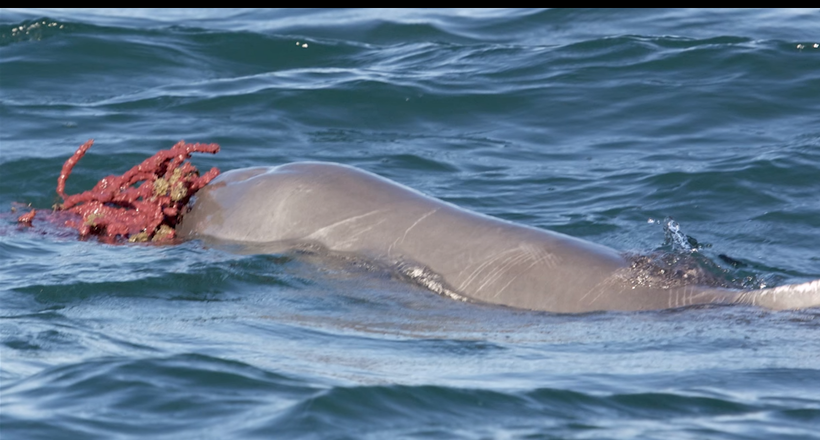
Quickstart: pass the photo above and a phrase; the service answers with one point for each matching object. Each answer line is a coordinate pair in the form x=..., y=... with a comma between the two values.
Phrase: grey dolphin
x=450, y=250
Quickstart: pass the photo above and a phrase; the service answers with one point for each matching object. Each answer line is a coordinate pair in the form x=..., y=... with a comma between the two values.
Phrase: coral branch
x=69, y=165
x=122, y=208
x=27, y=218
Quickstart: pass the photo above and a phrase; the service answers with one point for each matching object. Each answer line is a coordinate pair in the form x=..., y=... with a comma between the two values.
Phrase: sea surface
x=601, y=124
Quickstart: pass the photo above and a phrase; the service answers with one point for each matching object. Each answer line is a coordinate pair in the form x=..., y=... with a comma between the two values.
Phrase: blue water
x=595, y=123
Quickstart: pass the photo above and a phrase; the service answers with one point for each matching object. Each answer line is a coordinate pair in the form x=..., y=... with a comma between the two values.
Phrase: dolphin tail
x=792, y=296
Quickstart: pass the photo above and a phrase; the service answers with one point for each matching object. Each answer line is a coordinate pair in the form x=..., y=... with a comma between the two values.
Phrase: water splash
x=680, y=261
x=674, y=237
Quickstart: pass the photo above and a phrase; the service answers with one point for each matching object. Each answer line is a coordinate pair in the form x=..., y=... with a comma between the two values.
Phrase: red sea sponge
x=145, y=203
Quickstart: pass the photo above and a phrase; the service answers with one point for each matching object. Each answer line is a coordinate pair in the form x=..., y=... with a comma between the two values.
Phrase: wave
x=217, y=397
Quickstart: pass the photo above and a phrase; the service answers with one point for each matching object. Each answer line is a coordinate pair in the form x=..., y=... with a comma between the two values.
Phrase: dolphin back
x=449, y=249
x=792, y=296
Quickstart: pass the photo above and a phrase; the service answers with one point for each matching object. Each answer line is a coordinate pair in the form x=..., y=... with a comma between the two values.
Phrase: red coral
x=27, y=218
x=145, y=203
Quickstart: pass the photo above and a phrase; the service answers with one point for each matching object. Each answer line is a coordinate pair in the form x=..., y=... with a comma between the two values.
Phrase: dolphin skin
x=450, y=250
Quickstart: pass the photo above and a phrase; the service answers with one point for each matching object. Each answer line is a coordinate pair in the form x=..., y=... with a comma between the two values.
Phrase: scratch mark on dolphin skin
x=351, y=238
x=504, y=287
x=596, y=288
x=322, y=233
x=534, y=254
x=477, y=271
x=599, y=288
x=403, y=237
x=499, y=270
x=692, y=295
x=504, y=262
x=419, y=221
x=618, y=280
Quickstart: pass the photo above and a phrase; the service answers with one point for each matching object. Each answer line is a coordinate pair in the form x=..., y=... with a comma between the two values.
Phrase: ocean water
x=595, y=123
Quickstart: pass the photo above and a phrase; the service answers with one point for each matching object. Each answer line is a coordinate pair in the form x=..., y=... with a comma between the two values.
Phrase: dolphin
x=450, y=250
